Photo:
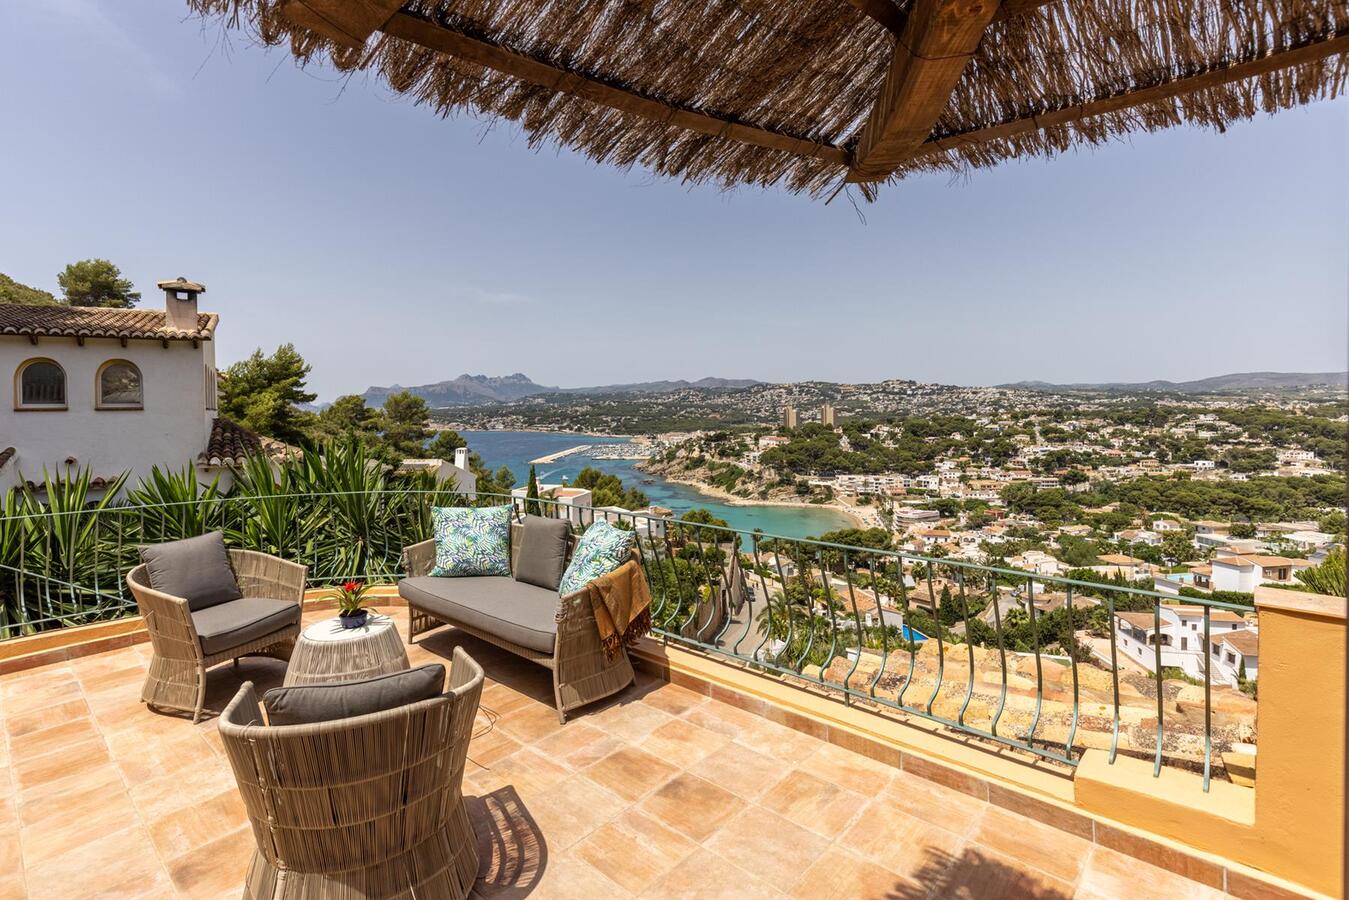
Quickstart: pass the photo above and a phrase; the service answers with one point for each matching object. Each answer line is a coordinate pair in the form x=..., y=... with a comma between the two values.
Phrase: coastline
x=726, y=497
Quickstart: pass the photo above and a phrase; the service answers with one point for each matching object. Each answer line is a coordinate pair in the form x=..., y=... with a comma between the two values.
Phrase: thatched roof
x=811, y=94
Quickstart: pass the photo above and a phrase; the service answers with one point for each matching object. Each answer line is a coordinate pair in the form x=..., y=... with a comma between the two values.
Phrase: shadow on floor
x=972, y=875
x=512, y=852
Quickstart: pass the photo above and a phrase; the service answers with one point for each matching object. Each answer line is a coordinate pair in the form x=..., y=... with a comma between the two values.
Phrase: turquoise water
x=516, y=448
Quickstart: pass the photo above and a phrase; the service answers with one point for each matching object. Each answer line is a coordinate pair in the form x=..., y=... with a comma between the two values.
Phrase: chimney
x=180, y=302
x=461, y=458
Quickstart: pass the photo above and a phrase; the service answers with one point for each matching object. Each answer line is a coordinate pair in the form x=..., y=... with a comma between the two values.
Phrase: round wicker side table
x=326, y=652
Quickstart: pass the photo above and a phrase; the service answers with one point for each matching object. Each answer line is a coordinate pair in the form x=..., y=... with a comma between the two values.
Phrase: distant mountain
x=665, y=387
x=474, y=390
x=466, y=390
x=1241, y=381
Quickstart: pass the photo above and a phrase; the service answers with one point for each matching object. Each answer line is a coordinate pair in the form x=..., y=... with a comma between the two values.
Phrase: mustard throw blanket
x=622, y=602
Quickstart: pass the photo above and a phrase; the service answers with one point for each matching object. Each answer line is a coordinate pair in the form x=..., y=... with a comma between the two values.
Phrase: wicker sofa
x=265, y=621
x=531, y=622
x=369, y=806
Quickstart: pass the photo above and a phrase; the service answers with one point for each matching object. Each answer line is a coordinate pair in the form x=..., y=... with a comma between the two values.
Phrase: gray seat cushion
x=304, y=704
x=197, y=569
x=542, y=555
x=227, y=625
x=500, y=606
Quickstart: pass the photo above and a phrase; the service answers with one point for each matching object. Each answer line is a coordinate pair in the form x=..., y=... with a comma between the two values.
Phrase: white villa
x=574, y=504
x=443, y=470
x=113, y=391
x=1236, y=571
x=1182, y=641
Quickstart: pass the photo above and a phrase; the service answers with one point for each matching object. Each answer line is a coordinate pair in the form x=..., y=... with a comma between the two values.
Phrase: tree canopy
x=262, y=394
x=97, y=282
x=12, y=291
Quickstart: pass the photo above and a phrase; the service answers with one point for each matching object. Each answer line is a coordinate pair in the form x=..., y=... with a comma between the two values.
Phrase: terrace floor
x=660, y=792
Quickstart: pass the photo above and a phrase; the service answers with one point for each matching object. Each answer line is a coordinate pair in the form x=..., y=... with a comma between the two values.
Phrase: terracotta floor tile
x=982, y=874
x=103, y=776
x=500, y=699
x=849, y=770
x=158, y=797
x=635, y=850
x=59, y=764
x=778, y=741
x=13, y=888
x=37, y=720
x=629, y=720
x=568, y=876
x=193, y=826
x=529, y=723
x=216, y=869
x=48, y=740
x=528, y=772
x=1109, y=873
x=98, y=869
x=489, y=746
x=573, y=809
x=740, y=770
x=674, y=699
x=512, y=852
x=692, y=806
x=1048, y=849
x=128, y=679
x=630, y=773
x=769, y=847
x=898, y=841
x=722, y=718
x=942, y=806
x=845, y=876
x=40, y=692
x=821, y=806
x=574, y=738
x=67, y=823
x=11, y=849
x=681, y=743
x=706, y=876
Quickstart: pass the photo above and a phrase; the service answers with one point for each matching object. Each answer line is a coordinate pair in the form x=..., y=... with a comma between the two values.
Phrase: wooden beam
x=938, y=40
x=1010, y=9
x=444, y=39
x=347, y=22
x=1309, y=52
x=883, y=11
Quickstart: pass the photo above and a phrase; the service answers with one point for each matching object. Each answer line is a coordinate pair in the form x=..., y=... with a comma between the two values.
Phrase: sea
x=516, y=448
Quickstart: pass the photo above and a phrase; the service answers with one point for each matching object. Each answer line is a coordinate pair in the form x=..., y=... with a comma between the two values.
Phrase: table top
x=331, y=630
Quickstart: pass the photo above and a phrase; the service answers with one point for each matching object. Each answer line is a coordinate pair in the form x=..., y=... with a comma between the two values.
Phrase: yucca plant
x=351, y=491
x=15, y=527
x=176, y=505
x=74, y=546
x=266, y=511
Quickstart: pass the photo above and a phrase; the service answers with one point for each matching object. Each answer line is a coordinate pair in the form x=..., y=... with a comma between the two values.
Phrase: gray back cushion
x=310, y=703
x=543, y=552
x=197, y=569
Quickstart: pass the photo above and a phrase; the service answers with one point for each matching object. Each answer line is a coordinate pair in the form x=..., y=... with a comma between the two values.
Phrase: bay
x=514, y=449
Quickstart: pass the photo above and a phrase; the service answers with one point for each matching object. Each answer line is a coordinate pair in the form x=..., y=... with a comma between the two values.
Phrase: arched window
x=119, y=385
x=42, y=385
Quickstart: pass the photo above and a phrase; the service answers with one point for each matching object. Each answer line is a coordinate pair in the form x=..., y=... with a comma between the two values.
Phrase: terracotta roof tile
x=93, y=321
x=230, y=444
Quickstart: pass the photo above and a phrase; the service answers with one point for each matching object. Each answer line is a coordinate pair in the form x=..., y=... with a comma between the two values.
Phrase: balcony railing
x=1005, y=656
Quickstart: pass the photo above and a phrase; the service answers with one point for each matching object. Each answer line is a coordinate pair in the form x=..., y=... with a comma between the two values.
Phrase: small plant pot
x=355, y=620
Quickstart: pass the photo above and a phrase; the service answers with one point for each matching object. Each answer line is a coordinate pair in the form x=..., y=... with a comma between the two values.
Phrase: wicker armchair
x=177, y=676
x=582, y=673
x=366, y=807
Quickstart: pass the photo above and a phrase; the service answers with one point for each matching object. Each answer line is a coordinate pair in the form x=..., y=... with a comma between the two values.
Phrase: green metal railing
x=806, y=610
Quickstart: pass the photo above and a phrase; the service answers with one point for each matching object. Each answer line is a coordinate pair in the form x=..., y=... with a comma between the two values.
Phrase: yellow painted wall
x=1292, y=826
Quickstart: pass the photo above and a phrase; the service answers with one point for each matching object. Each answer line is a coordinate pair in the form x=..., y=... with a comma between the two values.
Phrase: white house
x=1235, y=655
x=570, y=503
x=113, y=391
x=1182, y=639
x=443, y=470
x=1245, y=571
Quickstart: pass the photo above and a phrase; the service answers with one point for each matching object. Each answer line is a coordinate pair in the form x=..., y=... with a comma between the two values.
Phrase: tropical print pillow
x=472, y=541
x=600, y=550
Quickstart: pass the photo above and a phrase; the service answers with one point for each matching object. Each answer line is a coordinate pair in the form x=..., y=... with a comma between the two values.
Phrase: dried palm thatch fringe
x=811, y=69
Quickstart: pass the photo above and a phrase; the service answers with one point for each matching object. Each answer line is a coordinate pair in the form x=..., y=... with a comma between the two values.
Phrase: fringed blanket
x=622, y=602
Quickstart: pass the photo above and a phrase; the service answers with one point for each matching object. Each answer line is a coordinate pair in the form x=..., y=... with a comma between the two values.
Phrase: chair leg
x=201, y=694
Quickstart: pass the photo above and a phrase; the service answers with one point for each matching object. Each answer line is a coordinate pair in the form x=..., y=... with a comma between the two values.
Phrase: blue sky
x=391, y=245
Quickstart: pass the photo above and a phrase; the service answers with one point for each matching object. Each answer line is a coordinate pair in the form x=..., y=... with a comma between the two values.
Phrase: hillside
x=1240, y=381
x=477, y=390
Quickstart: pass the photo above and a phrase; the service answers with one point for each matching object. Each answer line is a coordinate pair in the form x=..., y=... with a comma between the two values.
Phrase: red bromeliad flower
x=351, y=586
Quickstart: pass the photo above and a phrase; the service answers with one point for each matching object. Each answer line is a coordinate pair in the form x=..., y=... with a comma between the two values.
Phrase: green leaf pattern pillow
x=472, y=541
x=600, y=550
